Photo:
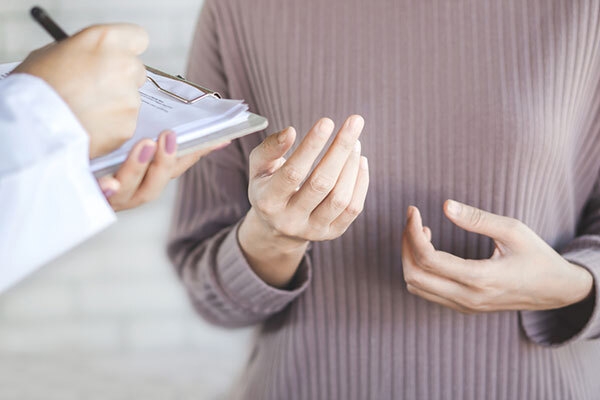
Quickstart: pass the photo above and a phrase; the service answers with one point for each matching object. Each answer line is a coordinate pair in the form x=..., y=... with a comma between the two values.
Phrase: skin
x=97, y=72
x=148, y=169
x=292, y=206
x=524, y=272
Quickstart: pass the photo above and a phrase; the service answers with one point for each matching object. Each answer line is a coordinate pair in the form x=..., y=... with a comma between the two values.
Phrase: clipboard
x=111, y=162
x=254, y=122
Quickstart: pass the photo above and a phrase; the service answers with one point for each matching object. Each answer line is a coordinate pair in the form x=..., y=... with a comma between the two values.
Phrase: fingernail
x=146, y=154
x=357, y=146
x=108, y=193
x=282, y=135
x=409, y=212
x=171, y=142
x=454, y=207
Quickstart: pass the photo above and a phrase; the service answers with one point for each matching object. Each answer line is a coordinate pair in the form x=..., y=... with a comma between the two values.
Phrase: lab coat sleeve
x=49, y=199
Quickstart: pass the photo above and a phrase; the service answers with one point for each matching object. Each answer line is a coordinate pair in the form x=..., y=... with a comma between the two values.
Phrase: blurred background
x=109, y=320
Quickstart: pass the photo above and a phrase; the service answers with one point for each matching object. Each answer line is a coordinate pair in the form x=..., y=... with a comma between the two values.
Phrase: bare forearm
x=274, y=258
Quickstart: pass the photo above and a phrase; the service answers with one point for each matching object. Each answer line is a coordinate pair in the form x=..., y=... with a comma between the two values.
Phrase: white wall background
x=109, y=319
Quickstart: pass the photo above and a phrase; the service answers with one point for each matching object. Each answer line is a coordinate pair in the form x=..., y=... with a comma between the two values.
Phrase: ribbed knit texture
x=493, y=103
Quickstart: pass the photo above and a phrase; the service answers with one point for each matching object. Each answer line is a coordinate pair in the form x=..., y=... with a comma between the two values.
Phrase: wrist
x=273, y=257
x=255, y=229
x=581, y=286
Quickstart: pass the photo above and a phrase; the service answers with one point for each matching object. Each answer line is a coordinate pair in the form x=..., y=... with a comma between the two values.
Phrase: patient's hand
x=147, y=170
x=292, y=205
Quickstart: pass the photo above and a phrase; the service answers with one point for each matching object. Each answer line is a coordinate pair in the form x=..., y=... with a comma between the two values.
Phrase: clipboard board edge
x=255, y=123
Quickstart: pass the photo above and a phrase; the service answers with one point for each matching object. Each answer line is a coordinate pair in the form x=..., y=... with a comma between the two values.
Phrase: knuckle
x=319, y=224
x=411, y=289
x=476, y=218
x=475, y=303
x=337, y=233
x=291, y=174
x=354, y=210
x=317, y=139
x=427, y=259
x=315, y=142
x=321, y=184
x=482, y=279
x=346, y=143
x=336, y=230
x=413, y=278
x=92, y=32
x=464, y=310
x=340, y=201
x=265, y=206
x=99, y=34
x=474, y=279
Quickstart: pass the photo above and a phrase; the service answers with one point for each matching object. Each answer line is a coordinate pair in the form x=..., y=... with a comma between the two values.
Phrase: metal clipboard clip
x=206, y=92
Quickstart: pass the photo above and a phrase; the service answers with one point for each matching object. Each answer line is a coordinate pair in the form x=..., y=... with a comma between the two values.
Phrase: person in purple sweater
x=365, y=281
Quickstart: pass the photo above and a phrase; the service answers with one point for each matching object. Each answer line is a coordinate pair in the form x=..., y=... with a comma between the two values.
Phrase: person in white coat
x=66, y=103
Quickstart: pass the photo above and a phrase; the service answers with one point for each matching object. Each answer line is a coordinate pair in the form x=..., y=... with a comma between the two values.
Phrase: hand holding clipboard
x=198, y=116
x=196, y=120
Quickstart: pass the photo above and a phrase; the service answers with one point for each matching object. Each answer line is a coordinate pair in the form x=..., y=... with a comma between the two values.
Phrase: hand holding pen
x=97, y=72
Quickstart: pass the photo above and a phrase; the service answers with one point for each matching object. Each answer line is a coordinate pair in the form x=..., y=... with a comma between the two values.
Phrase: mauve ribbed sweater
x=493, y=103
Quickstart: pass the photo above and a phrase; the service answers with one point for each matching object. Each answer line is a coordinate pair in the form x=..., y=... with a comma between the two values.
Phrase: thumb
x=267, y=156
x=472, y=219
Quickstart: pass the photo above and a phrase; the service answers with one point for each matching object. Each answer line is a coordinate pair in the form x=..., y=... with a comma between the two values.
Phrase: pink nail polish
x=171, y=142
x=108, y=193
x=146, y=154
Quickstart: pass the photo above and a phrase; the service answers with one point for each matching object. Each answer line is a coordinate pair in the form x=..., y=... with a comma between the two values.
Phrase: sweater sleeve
x=580, y=321
x=211, y=203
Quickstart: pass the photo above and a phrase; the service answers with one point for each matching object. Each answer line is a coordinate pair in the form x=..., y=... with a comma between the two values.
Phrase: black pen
x=42, y=17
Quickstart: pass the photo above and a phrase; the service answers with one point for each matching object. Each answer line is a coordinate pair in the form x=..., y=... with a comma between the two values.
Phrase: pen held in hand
x=41, y=17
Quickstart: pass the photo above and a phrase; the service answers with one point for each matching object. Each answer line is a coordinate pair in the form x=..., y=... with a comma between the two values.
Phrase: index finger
x=129, y=37
x=327, y=173
x=286, y=180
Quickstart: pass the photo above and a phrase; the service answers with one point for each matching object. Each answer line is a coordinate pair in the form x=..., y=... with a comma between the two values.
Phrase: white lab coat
x=49, y=200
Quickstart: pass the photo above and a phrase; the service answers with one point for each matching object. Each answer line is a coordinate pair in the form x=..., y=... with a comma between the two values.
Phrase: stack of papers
x=160, y=111
x=206, y=122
